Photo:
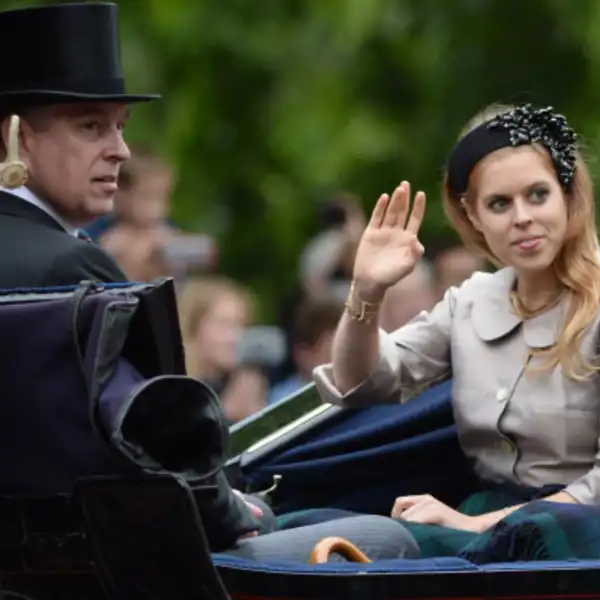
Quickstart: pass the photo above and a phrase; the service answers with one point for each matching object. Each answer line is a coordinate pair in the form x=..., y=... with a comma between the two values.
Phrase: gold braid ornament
x=13, y=172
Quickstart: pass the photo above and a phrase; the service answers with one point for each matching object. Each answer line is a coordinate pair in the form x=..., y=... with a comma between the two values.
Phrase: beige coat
x=532, y=429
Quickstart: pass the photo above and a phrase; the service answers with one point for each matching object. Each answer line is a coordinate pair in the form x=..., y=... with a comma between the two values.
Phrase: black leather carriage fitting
x=165, y=553
x=94, y=386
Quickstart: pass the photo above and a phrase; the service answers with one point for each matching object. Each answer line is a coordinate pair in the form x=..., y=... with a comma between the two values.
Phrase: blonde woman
x=214, y=314
x=520, y=344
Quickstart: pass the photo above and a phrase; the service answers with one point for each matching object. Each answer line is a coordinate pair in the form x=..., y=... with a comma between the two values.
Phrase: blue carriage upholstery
x=364, y=458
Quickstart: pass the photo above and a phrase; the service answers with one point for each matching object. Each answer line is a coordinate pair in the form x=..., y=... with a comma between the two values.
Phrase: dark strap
x=84, y=289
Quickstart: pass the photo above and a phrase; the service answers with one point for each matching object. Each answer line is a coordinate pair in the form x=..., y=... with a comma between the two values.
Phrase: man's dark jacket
x=35, y=250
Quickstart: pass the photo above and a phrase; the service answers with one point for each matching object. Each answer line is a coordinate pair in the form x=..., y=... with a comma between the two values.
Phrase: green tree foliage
x=268, y=106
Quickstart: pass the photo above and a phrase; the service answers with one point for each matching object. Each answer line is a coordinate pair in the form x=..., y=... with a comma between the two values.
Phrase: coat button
x=502, y=394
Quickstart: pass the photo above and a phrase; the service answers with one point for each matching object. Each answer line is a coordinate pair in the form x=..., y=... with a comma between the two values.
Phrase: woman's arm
x=388, y=251
x=425, y=508
x=355, y=349
x=371, y=366
x=488, y=520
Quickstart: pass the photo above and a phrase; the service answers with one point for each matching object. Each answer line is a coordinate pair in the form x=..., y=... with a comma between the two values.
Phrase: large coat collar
x=494, y=319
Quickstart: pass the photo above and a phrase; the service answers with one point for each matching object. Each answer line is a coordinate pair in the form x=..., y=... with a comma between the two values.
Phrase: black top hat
x=61, y=53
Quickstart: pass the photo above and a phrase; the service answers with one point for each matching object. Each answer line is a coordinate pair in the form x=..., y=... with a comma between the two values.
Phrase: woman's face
x=519, y=207
x=219, y=333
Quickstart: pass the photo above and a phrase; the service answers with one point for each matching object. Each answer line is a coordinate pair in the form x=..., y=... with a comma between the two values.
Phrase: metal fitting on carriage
x=265, y=495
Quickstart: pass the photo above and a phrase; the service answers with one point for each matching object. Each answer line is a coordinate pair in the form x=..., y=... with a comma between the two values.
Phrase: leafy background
x=268, y=106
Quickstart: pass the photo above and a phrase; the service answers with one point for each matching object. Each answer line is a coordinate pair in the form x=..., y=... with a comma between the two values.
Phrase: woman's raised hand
x=389, y=248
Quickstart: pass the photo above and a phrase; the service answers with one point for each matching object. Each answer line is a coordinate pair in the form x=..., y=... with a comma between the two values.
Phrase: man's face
x=74, y=153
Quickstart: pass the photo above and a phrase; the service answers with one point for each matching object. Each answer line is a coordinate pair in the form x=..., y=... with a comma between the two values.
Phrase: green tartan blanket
x=540, y=530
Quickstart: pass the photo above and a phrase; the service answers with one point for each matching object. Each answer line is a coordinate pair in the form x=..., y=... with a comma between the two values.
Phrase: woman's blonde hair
x=577, y=265
x=196, y=298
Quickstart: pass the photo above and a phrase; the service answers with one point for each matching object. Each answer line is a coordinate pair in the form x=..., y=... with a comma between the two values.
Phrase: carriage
x=143, y=530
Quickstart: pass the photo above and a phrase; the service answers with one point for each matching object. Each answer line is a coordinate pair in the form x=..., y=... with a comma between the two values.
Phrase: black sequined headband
x=521, y=125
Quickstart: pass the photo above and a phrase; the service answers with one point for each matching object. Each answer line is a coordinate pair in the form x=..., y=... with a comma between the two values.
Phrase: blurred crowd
x=250, y=364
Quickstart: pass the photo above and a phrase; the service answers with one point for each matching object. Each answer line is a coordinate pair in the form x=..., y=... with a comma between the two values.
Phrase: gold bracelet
x=365, y=312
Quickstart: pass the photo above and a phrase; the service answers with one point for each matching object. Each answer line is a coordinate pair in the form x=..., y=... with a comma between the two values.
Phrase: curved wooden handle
x=327, y=546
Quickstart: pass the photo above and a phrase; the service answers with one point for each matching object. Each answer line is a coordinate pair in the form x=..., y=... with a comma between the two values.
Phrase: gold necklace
x=523, y=312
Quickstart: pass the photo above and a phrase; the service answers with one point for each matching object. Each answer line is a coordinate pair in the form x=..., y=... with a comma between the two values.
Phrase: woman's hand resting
x=427, y=509
x=389, y=248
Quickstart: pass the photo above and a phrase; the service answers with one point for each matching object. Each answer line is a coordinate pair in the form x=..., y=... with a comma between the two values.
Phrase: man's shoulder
x=80, y=261
x=34, y=255
x=24, y=242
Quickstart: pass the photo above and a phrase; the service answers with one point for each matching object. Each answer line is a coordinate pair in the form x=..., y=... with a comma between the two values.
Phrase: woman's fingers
x=394, y=211
x=404, y=503
x=379, y=211
x=417, y=213
x=417, y=512
x=398, y=206
x=404, y=215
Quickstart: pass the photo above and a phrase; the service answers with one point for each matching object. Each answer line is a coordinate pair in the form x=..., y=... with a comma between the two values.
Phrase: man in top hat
x=68, y=90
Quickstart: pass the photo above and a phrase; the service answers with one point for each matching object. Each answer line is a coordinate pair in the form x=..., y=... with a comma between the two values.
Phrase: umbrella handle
x=327, y=546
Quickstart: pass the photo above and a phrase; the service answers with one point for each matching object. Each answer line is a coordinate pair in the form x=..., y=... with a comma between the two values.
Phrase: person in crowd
x=314, y=325
x=454, y=265
x=326, y=261
x=146, y=183
x=215, y=314
x=407, y=298
x=520, y=344
x=325, y=265
x=138, y=232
